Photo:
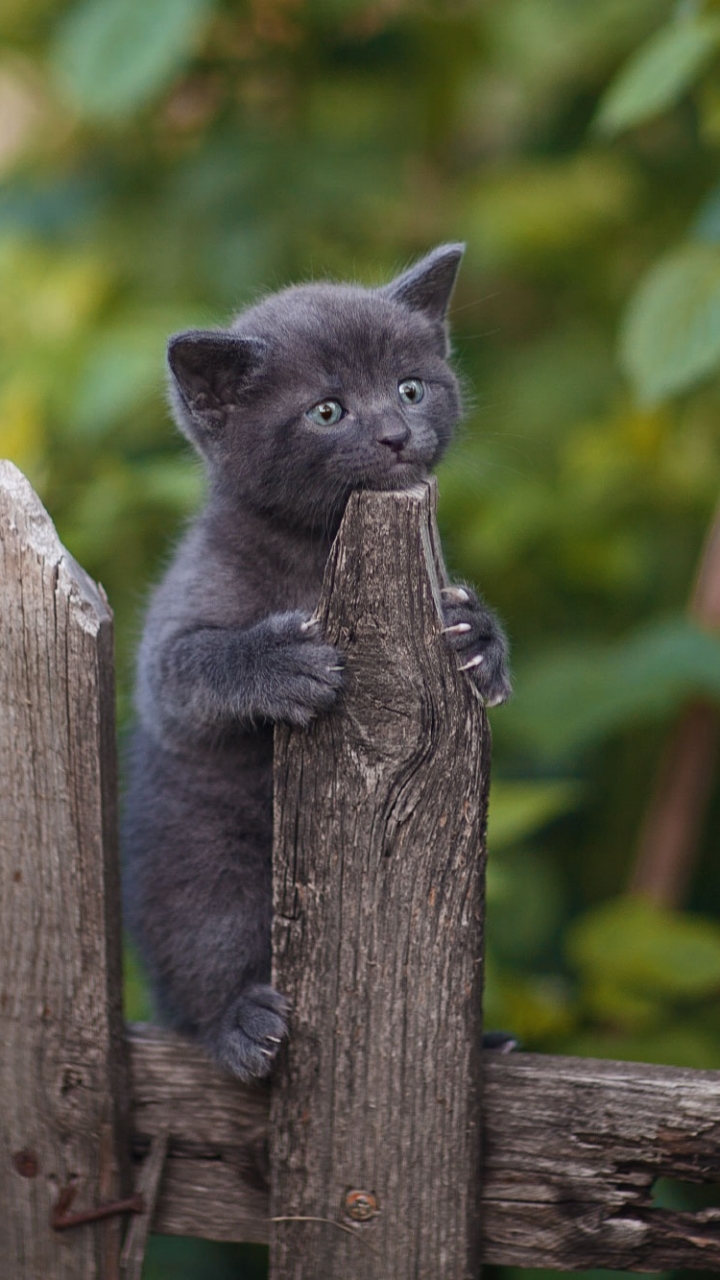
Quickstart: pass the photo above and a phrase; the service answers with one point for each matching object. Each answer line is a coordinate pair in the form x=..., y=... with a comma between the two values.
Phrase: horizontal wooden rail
x=573, y=1147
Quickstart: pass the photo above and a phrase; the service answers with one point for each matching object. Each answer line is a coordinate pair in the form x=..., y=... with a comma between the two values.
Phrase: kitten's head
x=322, y=389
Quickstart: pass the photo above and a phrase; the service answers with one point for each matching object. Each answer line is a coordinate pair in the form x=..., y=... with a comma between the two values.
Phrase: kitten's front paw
x=302, y=676
x=479, y=640
x=251, y=1032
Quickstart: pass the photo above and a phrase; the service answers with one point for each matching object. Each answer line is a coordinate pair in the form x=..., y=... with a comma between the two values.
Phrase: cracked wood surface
x=379, y=879
x=572, y=1148
x=61, y=1033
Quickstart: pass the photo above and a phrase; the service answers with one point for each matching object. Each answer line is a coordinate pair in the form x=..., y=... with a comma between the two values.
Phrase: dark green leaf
x=581, y=696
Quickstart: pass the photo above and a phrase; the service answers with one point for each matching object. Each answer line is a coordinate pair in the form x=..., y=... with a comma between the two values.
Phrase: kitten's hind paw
x=249, y=1036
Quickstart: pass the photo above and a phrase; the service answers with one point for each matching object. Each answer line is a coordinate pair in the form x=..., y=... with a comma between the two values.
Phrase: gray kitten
x=314, y=392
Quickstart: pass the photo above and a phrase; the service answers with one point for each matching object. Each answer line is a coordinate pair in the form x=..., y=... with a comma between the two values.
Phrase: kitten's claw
x=475, y=634
x=251, y=1031
x=456, y=593
x=302, y=676
x=474, y=662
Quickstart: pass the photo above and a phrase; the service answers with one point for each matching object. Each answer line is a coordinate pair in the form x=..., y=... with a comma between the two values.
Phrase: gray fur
x=228, y=649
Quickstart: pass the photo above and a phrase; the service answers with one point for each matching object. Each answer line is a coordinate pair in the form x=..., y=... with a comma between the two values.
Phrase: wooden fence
x=389, y=1147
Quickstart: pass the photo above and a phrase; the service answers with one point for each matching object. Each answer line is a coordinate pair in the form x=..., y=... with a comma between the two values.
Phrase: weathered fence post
x=62, y=1055
x=379, y=874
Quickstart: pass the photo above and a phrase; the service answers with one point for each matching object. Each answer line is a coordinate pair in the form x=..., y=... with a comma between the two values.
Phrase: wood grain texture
x=572, y=1148
x=215, y=1178
x=379, y=878
x=62, y=1088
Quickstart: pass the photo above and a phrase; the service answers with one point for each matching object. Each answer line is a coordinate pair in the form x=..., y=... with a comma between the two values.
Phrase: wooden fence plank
x=61, y=1036
x=572, y=1149
x=377, y=940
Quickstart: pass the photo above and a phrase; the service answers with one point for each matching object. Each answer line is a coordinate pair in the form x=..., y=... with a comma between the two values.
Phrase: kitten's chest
x=299, y=589
x=290, y=581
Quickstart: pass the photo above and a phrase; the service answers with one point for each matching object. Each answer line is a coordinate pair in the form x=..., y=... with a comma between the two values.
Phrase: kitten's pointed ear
x=210, y=370
x=428, y=286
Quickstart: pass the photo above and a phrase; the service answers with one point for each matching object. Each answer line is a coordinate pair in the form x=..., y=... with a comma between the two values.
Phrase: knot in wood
x=26, y=1163
x=361, y=1205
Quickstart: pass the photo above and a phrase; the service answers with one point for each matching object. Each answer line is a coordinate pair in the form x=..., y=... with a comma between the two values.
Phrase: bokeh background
x=164, y=161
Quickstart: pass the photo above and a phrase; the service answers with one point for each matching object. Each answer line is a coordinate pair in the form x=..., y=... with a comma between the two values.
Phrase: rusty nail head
x=26, y=1163
x=361, y=1205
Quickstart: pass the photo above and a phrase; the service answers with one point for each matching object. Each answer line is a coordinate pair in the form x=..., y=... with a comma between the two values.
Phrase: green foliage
x=671, y=336
x=114, y=56
x=519, y=809
x=161, y=162
x=576, y=697
x=632, y=946
x=659, y=73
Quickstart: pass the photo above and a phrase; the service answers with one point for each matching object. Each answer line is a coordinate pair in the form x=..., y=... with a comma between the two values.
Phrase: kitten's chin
x=401, y=475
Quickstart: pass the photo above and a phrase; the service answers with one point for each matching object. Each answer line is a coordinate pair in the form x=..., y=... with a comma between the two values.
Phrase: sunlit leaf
x=532, y=1007
x=533, y=208
x=643, y=948
x=671, y=333
x=658, y=73
x=518, y=809
x=113, y=56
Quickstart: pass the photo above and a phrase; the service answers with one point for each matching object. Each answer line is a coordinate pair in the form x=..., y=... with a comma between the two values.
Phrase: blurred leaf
x=22, y=435
x=137, y=1004
x=122, y=370
x=678, y=1045
x=115, y=55
x=706, y=223
x=534, y=208
x=642, y=948
x=671, y=332
x=526, y=901
x=658, y=73
x=531, y=1007
x=583, y=695
x=517, y=809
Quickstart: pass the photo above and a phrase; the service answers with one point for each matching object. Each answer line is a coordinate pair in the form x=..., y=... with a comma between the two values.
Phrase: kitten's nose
x=395, y=438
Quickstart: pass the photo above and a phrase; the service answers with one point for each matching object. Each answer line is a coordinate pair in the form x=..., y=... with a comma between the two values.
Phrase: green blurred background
x=164, y=161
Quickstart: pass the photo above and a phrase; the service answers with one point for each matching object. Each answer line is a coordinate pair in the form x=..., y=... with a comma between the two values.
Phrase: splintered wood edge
x=25, y=518
x=573, y=1147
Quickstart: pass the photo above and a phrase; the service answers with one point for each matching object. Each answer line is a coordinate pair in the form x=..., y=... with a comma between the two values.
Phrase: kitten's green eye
x=411, y=390
x=326, y=413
